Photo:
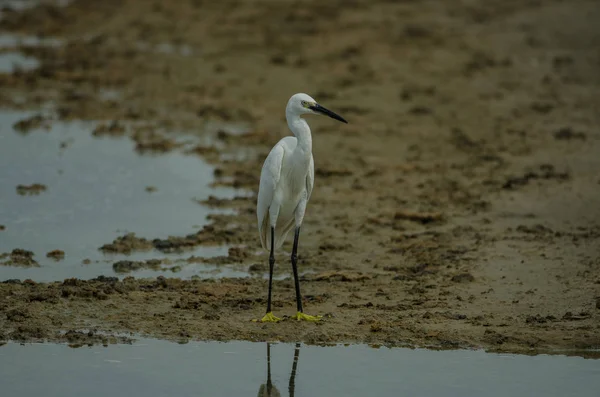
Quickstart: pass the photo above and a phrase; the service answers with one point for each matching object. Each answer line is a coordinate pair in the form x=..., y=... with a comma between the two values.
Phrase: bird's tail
x=280, y=234
x=265, y=233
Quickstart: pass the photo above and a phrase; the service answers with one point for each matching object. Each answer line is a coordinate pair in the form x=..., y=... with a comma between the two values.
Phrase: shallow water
x=17, y=5
x=96, y=191
x=159, y=368
x=20, y=5
x=11, y=61
x=15, y=40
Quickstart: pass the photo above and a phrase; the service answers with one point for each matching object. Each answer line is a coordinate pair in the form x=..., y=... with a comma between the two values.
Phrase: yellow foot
x=306, y=317
x=268, y=318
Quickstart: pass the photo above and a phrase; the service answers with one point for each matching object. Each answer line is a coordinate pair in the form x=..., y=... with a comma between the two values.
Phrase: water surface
x=96, y=190
x=158, y=368
x=11, y=61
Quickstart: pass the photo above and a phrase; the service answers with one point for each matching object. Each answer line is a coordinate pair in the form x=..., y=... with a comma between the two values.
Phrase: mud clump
x=18, y=257
x=218, y=233
x=463, y=278
x=543, y=172
x=56, y=254
x=2, y=227
x=153, y=142
x=77, y=339
x=215, y=234
x=113, y=129
x=538, y=319
x=28, y=333
x=34, y=122
x=422, y=217
x=535, y=229
x=31, y=190
x=569, y=316
x=98, y=289
x=262, y=268
x=567, y=134
x=126, y=244
x=131, y=266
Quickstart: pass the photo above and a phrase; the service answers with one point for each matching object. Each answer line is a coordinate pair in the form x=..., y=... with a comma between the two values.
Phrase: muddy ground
x=458, y=208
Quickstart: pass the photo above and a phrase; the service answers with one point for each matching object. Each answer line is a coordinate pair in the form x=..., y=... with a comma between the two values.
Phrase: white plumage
x=286, y=184
x=286, y=181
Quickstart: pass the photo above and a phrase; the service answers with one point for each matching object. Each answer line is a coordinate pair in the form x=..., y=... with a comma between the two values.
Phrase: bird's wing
x=310, y=178
x=269, y=177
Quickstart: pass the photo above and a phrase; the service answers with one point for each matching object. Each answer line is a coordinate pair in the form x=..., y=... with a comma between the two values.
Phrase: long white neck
x=301, y=130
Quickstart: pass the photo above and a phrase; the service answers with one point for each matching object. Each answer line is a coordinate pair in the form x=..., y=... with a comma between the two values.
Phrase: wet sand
x=458, y=208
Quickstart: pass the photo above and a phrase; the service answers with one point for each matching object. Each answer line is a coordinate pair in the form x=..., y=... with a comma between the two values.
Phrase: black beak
x=320, y=109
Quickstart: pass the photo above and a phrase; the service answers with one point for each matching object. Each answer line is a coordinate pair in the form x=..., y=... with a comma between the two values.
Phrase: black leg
x=269, y=383
x=271, y=266
x=292, y=384
x=295, y=269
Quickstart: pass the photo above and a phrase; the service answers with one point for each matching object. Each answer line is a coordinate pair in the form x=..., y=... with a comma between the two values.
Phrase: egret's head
x=304, y=104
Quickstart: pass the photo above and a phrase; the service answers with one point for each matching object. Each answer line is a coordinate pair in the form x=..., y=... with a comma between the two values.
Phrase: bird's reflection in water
x=267, y=389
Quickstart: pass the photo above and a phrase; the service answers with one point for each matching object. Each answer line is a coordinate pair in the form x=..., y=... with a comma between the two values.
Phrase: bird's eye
x=304, y=103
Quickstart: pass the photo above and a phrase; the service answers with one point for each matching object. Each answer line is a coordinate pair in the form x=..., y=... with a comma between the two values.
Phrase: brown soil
x=30, y=190
x=56, y=254
x=459, y=206
x=18, y=257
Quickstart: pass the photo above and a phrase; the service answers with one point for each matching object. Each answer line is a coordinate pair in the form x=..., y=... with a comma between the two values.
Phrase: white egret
x=286, y=183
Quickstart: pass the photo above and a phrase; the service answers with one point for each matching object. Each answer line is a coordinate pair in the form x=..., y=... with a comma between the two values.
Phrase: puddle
x=17, y=5
x=159, y=368
x=95, y=191
x=22, y=5
x=15, y=41
x=12, y=61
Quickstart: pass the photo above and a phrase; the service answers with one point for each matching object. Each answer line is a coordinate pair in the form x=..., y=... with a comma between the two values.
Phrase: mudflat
x=460, y=207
